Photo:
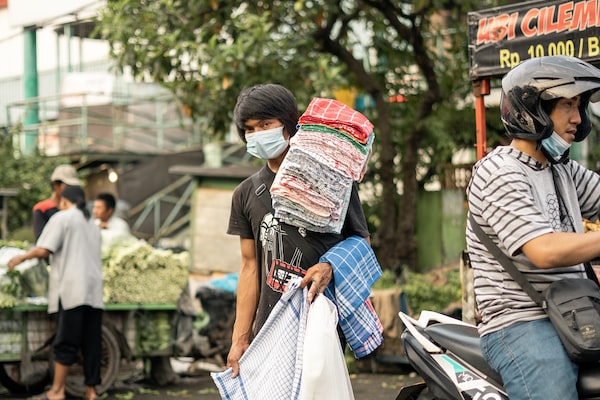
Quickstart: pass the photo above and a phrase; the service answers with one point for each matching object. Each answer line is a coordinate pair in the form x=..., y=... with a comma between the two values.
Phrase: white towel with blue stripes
x=271, y=367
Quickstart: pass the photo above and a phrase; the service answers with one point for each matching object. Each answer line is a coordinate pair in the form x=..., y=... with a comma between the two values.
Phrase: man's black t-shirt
x=281, y=253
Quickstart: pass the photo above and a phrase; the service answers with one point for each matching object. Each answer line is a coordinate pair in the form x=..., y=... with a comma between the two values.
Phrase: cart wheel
x=11, y=377
x=109, y=367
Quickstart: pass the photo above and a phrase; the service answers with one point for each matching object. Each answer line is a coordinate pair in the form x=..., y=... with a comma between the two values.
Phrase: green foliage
x=387, y=281
x=434, y=291
x=424, y=294
x=24, y=234
x=206, y=51
x=30, y=175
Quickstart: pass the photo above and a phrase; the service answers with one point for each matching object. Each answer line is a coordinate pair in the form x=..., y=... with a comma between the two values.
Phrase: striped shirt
x=514, y=199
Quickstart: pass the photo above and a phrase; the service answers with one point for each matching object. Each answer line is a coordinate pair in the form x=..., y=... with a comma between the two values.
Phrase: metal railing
x=152, y=209
x=94, y=122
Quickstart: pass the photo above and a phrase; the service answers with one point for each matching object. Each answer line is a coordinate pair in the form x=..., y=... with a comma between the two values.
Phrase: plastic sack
x=33, y=272
x=324, y=371
x=228, y=282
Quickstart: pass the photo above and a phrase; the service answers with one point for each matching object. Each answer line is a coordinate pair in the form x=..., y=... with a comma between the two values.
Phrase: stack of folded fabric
x=328, y=153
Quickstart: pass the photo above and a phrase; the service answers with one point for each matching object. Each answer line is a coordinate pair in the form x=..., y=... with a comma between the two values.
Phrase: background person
x=72, y=241
x=112, y=228
x=64, y=174
x=530, y=198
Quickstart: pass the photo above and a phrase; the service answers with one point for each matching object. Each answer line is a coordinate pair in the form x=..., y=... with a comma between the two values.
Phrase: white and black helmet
x=546, y=78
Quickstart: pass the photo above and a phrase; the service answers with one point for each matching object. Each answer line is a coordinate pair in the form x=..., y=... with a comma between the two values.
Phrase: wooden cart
x=129, y=331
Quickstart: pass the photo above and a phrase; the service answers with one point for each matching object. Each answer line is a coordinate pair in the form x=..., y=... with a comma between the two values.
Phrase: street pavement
x=366, y=386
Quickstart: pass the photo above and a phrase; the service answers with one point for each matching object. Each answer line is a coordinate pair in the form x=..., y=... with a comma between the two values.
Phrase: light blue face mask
x=555, y=146
x=267, y=144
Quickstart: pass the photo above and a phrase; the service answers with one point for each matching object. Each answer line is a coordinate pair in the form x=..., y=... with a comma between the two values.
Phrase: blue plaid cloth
x=355, y=270
x=271, y=367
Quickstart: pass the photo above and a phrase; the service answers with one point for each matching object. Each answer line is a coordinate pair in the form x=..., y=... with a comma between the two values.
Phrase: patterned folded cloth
x=325, y=180
x=341, y=135
x=332, y=151
x=313, y=186
x=310, y=194
x=355, y=270
x=272, y=364
x=336, y=114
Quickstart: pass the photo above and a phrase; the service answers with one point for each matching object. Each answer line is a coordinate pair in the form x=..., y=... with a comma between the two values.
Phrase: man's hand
x=318, y=277
x=16, y=260
x=233, y=358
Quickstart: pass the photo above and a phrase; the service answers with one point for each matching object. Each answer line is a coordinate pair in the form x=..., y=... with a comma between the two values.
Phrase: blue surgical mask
x=267, y=144
x=555, y=146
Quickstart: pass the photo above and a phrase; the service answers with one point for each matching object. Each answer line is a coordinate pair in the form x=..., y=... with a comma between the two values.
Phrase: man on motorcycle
x=530, y=198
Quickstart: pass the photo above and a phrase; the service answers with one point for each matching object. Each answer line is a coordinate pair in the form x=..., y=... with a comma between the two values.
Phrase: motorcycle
x=445, y=352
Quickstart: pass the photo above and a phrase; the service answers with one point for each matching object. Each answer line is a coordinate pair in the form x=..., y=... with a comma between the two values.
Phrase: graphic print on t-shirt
x=278, y=271
x=559, y=219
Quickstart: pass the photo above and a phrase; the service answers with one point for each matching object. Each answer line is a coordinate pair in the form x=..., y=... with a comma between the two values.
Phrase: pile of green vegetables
x=10, y=288
x=153, y=331
x=134, y=272
x=26, y=280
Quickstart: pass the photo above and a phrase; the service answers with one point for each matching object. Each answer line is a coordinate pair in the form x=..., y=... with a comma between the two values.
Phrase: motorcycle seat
x=463, y=341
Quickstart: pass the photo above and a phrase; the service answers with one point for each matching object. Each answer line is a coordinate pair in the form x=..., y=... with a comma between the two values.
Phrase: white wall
x=40, y=12
x=47, y=15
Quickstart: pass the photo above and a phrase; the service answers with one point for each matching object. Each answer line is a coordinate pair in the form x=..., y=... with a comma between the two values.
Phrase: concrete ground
x=366, y=386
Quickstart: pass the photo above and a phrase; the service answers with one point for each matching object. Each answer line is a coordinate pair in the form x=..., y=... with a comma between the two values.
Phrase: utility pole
x=30, y=79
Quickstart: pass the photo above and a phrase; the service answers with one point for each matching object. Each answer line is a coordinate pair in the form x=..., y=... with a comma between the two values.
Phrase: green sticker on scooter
x=457, y=367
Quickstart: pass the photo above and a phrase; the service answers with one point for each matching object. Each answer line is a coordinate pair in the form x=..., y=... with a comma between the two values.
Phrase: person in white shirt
x=72, y=241
x=112, y=227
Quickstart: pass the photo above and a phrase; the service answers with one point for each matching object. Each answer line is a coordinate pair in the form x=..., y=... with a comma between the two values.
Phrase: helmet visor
x=572, y=88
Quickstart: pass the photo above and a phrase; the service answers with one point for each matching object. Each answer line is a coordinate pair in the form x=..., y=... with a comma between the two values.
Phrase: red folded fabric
x=338, y=115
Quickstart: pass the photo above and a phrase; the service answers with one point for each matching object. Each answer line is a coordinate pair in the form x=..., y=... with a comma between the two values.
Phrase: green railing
x=97, y=123
x=164, y=223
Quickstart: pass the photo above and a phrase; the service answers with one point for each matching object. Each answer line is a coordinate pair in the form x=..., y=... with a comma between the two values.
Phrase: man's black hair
x=108, y=199
x=266, y=101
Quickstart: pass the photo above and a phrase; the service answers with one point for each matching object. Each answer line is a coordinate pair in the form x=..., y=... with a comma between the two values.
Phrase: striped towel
x=272, y=364
x=355, y=270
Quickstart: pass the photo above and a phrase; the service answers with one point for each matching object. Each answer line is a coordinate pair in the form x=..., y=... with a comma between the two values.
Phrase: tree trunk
x=386, y=240
x=406, y=245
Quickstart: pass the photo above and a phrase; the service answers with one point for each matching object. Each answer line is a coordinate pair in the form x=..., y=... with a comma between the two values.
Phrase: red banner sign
x=501, y=37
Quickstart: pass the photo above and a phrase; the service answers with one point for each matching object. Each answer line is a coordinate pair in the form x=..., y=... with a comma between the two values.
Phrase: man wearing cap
x=62, y=175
